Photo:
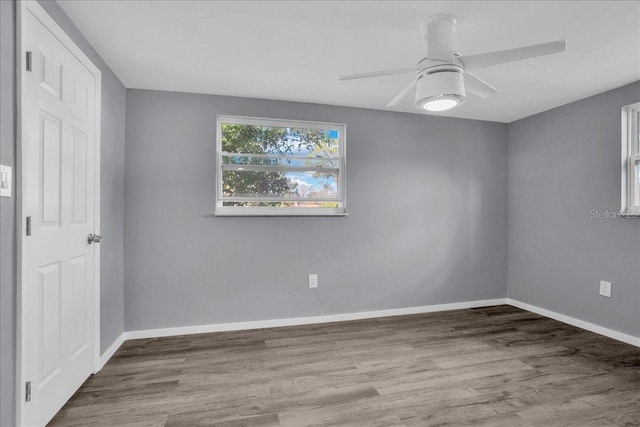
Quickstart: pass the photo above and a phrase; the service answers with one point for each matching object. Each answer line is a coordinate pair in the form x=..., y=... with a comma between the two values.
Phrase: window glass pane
x=636, y=187
x=257, y=139
x=304, y=185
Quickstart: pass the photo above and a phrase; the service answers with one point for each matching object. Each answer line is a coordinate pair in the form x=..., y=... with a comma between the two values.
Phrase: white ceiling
x=295, y=50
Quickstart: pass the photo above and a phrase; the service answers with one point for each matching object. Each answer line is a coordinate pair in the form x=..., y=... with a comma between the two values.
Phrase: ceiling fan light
x=440, y=91
x=440, y=104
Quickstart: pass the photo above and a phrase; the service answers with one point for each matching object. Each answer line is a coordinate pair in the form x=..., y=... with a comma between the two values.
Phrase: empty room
x=319, y=213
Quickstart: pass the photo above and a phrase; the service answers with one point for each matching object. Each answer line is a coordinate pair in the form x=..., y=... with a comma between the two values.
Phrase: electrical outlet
x=313, y=281
x=605, y=289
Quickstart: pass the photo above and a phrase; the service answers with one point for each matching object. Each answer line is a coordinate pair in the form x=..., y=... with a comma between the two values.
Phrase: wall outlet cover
x=313, y=281
x=605, y=289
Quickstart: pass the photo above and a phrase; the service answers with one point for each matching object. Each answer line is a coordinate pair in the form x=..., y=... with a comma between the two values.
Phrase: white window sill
x=261, y=212
x=630, y=214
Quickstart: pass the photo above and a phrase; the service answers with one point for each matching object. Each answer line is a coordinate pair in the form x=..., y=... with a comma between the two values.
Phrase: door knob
x=94, y=238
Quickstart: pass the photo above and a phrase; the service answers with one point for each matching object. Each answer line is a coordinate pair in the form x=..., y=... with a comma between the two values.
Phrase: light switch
x=5, y=181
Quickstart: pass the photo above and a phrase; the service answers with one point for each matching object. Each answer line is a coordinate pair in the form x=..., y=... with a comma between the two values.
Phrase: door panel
x=50, y=169
x=79, y=176
x=78, y=287
x=50, y=338
x=80, y=96
x=50, y=73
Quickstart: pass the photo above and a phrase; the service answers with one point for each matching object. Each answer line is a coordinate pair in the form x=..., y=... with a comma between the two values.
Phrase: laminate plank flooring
x=496, y=366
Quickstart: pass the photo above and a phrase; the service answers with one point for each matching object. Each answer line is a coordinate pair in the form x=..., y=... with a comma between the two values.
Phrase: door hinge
x=28, y=60
x=27, y=391
x=28, y=227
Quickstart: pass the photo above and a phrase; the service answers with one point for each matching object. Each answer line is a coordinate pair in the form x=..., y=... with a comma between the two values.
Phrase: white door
x=59, y=266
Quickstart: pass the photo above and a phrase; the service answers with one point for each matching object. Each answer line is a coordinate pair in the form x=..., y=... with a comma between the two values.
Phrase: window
x=631, y=159
x=279, y=167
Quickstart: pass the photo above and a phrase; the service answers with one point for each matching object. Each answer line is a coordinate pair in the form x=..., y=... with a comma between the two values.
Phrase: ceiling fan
x=444, y=77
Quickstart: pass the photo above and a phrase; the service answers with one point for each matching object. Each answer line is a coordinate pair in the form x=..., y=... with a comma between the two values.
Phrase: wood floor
x=489, y=366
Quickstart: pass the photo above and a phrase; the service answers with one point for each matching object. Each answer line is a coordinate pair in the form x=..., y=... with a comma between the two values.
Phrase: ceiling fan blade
x=483, y=60
x=476, y=85
x=377, y=74
x=395, y=101
x=439, y=31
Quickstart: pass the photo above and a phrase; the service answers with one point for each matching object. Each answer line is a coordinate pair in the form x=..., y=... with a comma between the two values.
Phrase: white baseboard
x=104, y=358
x=629, y=339
x=296, y=321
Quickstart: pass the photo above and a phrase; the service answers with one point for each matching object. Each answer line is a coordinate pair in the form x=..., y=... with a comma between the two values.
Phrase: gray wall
x=112, y=203
x=7, y=214
x=426, y=225
x=563, y=163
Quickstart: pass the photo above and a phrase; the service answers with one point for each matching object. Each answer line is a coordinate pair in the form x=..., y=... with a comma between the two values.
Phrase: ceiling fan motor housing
x=446, y=83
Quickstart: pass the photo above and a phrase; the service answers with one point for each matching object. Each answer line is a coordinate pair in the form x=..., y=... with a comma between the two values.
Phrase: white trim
x=275, y=156
x=628, y=132
x=266, y=211
x=108, y=354
x=32, y=6
x=624, y=163
x=601, y=330
x=274, y=168
x=268, y=121
x=297, y=321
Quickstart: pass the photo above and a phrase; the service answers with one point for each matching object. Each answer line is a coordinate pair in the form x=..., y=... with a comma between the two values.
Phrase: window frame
x=340, y=210
x=630, y=149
